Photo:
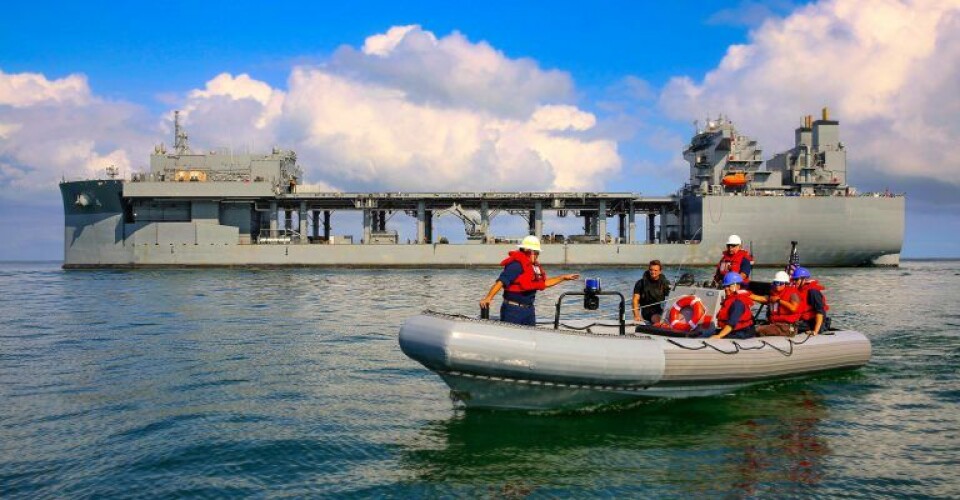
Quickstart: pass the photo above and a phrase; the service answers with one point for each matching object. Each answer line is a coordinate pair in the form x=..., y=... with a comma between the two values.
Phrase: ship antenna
x=680, y=265
x=180, y=138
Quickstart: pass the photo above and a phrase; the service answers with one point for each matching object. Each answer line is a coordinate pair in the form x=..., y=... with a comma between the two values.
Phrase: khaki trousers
x=776, y=330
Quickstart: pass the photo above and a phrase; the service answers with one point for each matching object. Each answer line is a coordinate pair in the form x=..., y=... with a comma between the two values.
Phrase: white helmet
x=734, y=240
x=781, y=277
x=531, y=243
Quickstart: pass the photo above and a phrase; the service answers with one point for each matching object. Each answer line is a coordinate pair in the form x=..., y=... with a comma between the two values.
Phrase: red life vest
x=733, y=263
x=806, y=312
x=780, y=314
x=746, y=319
x=532, y=278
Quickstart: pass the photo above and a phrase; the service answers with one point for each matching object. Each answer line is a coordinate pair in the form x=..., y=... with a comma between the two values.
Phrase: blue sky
x=133, y=52
x=615, y=86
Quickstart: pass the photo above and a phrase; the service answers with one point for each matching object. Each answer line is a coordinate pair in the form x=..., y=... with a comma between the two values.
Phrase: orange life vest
x=733, y=263
x=780, y=314
x=746, y=319
x=806, y=312
x=532, y=278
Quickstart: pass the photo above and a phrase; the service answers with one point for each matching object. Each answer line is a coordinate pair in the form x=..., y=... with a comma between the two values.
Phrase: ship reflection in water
x=713, y=446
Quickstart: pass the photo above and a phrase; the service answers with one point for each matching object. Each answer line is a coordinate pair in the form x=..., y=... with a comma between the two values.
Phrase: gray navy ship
x=223, y=209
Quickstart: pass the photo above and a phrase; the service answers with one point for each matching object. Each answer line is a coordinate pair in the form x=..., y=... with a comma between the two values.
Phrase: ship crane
x=472, y=222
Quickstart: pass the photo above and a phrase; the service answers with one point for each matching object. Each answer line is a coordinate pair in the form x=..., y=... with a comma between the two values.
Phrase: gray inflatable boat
x=492, y=364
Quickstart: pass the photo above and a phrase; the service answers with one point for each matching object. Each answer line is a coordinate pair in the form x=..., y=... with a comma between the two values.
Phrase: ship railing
x=209, y=175
x=278, y=237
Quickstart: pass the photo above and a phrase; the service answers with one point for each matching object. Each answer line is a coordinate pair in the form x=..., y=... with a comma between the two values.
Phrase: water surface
x=290, y=383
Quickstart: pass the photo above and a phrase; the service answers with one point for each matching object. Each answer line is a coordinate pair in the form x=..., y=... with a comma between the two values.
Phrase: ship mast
x=180, y=139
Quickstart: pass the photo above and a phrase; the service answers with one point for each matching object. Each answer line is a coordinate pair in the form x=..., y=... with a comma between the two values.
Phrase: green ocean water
x=219, y=383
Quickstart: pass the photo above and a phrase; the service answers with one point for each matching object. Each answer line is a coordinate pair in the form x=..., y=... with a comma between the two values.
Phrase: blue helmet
x=800, y=272
x=732, y=278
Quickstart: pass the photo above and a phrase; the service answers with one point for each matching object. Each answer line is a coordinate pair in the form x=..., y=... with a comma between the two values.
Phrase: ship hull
x=832, y=231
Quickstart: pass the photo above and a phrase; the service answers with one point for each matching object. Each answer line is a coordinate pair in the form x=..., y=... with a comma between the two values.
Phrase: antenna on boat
x=794, y=259
x=680, y=265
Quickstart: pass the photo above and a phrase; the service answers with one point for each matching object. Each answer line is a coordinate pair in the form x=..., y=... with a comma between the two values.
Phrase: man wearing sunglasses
x=735, y=259
x=520, y=280
x=783, y=308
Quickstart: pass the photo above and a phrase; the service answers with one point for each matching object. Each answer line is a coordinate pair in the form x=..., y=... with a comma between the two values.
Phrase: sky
x=466, y=96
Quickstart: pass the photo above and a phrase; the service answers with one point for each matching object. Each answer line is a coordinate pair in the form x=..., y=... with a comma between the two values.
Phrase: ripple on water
x=265, y=382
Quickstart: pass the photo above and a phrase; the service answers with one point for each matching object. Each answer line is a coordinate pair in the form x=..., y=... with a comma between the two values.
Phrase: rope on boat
x=737, y=347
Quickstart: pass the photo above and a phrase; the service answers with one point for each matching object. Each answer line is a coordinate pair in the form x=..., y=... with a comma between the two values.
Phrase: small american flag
x=794, y=260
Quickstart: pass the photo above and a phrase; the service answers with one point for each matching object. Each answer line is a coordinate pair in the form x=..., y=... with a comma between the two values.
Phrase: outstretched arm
x=559, y=279
x=762, y=299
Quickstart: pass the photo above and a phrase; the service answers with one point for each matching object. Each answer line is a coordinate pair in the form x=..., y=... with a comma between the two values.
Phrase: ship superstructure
x=223, y=209
x=722, y=161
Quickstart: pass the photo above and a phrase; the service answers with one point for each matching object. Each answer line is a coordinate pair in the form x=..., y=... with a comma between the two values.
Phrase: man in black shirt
x=649, y=293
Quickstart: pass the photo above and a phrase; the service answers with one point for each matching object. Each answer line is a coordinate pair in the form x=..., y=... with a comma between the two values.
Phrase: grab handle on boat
x=622, y=312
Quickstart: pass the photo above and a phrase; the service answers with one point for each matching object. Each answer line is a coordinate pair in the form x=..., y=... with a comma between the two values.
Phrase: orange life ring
x=679, y=322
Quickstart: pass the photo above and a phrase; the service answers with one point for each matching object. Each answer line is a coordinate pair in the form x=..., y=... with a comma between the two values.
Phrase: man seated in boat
x=649, y=293
x=735, y=319
x=520, y=280
x=734, y=259
x=813, y=304
x=783, y=308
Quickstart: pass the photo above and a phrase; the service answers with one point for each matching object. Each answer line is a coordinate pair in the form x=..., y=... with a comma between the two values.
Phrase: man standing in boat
x=735, y=259
x=734, y=319
x=813, y=305
x=520, y=280
x=649, y=293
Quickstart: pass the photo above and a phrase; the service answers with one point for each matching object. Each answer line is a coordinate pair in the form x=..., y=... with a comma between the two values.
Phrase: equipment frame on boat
x=621, y=318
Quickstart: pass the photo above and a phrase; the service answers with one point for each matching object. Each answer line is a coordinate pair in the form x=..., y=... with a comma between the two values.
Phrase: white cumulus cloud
x=415, y=112
x=406, y=111
x=373, y=136
x=383, y=44
x=888, y=69
x=57, y=128
x=21, y=90
x=239, y=88
x=453, y=71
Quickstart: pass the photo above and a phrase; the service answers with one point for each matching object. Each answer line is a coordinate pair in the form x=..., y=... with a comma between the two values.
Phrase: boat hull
x=490, y=364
